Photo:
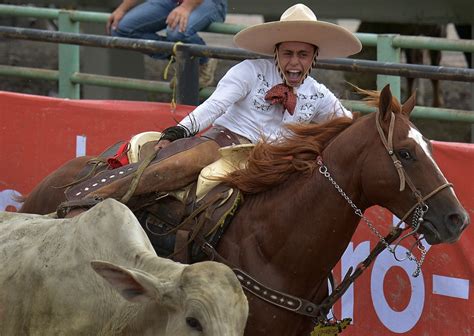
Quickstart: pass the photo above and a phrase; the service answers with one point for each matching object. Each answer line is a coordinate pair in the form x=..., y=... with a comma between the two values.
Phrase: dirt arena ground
x=456, y=95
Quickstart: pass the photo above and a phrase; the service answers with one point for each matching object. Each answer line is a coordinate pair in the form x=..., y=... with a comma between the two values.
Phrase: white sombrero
x=299, y=24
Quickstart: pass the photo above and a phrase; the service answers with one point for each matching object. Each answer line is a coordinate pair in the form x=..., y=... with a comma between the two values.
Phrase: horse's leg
x=49, y=193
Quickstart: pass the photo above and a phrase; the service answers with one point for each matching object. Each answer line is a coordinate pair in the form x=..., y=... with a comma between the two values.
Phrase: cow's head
x=200, y=299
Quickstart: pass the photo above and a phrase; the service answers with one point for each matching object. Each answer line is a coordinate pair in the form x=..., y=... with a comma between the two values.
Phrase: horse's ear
x=409, y=104
x=385, y=100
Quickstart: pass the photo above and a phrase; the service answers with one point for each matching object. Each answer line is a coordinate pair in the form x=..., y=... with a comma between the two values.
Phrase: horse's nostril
x=455, y=219
x=459, y=221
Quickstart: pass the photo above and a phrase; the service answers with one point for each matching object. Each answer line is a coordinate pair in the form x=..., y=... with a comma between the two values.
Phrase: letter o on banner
x=7, y=200
x=396, y=321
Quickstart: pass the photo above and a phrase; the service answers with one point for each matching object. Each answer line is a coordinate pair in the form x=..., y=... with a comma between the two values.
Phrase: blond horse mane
x=271, y=163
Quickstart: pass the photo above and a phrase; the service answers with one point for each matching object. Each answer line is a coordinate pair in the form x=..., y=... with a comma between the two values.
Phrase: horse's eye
x=193, y=323
x=404, y=154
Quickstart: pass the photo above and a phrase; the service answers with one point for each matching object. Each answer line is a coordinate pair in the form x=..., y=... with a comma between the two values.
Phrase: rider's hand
x=114, y=19
x=179, y=18
x=161, y=144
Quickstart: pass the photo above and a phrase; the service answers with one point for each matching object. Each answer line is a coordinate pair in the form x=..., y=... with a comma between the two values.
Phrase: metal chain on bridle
x=419, y=209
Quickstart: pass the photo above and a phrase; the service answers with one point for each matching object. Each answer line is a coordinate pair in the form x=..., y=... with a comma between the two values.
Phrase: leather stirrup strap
x=181, y=251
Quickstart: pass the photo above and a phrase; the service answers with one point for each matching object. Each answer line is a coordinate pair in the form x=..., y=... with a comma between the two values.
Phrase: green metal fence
x=69, y=77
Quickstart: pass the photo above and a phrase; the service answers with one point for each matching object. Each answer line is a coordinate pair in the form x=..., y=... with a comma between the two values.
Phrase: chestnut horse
x=305, y=195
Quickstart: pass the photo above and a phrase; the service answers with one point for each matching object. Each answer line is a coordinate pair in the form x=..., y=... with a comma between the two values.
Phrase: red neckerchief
x=282, y=94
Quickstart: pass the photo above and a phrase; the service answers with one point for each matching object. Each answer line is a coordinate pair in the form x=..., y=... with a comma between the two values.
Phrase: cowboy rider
x=256, y=98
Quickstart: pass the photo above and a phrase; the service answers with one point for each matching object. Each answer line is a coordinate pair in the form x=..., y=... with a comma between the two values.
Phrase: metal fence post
x=187, y=88
x=387, y=53
x=68, y=58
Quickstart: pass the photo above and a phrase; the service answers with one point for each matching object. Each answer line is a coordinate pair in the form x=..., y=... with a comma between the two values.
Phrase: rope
x=136, y=178
x=97, y=162
x=146, y=162
x=174, y=80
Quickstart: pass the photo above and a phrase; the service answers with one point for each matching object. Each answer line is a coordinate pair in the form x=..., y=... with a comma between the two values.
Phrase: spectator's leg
x=145, y=20
x=206, y=13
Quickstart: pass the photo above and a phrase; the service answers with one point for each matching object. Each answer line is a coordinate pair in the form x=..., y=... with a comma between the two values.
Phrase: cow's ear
x=132, y=284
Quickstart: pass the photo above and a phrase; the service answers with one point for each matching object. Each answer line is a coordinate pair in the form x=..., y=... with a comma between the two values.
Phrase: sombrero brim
x=331, y=39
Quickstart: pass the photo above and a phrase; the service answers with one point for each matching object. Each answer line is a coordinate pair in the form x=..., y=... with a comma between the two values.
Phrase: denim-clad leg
x=207, y=12
x=148, y=18
x=144, y=20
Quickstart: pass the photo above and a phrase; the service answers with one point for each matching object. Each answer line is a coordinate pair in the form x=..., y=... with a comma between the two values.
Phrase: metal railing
x=387, y=66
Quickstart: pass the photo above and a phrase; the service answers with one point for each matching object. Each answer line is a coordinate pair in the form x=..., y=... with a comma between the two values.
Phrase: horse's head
x=402, y=175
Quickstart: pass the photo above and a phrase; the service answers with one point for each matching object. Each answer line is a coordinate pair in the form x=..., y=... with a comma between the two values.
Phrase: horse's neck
x=298, y=230
x=344, y=159
x=303, y=226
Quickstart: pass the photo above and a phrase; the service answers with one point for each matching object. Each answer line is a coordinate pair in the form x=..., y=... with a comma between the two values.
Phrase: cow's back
x=47, y=284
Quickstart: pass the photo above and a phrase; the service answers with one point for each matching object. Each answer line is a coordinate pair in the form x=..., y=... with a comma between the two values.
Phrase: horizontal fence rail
x=150, y=46
x=387, y=66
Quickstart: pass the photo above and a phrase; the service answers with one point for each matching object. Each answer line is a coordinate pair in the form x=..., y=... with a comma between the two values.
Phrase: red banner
x=38, y=134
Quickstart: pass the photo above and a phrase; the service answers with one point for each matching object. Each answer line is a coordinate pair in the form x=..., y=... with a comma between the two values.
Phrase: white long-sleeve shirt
x=239, y=104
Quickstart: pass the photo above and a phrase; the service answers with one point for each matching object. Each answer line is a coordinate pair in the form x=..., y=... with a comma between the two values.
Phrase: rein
x=286, y=301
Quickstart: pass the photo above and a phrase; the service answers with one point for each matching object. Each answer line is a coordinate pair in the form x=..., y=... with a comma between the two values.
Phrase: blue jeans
x=145, y=20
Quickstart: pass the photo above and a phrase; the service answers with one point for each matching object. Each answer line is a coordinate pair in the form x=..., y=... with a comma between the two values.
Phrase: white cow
x=48, y=287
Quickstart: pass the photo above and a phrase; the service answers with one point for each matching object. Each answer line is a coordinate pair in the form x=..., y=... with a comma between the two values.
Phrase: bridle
x=388, y=143
x=419, y=209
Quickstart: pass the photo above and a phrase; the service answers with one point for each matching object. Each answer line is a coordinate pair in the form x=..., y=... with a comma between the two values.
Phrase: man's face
x=295, y=58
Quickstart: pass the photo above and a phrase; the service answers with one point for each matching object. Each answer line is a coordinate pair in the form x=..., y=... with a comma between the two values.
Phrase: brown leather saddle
x=177, y=227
